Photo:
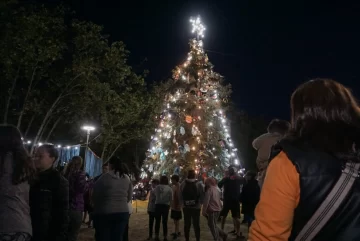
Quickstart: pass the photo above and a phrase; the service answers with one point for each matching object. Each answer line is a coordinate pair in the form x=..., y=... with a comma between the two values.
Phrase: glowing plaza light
x=197, y=27
x=88, y=128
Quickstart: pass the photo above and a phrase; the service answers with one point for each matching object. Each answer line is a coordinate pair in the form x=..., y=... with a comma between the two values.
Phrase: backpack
x=190, y=194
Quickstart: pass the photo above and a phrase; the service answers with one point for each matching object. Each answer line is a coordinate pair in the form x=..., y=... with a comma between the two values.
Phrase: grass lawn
x=138, y=227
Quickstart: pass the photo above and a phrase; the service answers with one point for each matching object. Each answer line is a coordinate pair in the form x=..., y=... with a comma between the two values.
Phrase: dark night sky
x=263, y=49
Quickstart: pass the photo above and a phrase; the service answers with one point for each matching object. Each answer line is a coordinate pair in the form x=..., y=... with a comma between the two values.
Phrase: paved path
x=138, y=229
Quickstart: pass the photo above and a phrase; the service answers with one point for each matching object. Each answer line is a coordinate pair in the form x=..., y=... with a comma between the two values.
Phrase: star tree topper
x=197, y=27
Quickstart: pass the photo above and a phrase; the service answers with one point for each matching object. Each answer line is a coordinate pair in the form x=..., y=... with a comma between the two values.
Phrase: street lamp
x=88, y=130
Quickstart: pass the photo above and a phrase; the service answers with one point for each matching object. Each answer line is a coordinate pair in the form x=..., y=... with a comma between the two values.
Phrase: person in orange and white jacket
x=306, y=165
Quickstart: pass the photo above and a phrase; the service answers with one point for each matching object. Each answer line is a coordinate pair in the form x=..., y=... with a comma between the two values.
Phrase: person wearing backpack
x=192, y=196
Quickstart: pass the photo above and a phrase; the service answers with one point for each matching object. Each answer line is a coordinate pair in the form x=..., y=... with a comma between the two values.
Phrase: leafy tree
x=60, y=74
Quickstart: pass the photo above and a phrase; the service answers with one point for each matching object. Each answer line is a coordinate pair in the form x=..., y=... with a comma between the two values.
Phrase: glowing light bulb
x=174, y=160
x=40, y=144
x=193, y=148
x=59, y=146
x=210, y=124
x=236, y=161
x=232, y=154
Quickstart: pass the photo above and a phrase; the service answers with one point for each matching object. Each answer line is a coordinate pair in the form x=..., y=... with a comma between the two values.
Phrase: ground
x=138, y=227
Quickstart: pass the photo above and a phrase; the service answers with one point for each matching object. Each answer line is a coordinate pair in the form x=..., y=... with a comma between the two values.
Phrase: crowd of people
x=40, y=203
x=307, y=187
x=193, y=198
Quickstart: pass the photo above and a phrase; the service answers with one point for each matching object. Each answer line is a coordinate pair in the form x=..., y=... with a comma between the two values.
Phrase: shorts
x=176, y=215
x=233, y=206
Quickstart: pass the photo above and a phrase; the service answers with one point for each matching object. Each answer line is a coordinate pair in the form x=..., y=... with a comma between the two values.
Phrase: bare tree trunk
x=45, y=121
x=10, y=96
x=44, y=129
x=29, y=125
x=26, y=97
x=115, y=149
x=52, y=129
x=103, y=151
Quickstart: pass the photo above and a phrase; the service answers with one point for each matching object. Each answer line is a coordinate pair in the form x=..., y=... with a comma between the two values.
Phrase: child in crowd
x=176, y=205
x=276, y=130
x=212, y=207
x=151, y=206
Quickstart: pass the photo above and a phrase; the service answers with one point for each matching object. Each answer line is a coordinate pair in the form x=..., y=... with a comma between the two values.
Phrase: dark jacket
x=250, y=197
x=232, y=186
x=49, y=206
x=319, y=171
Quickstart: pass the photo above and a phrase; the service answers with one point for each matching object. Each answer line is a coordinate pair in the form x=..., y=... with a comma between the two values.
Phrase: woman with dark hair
x=111, y=195
x=16, y=170
x=49, y=198
x=77, y=188
x=163, y=193
x=324, y=136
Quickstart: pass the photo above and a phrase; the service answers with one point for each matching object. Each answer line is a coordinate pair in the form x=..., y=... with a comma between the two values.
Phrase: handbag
x=331, y=203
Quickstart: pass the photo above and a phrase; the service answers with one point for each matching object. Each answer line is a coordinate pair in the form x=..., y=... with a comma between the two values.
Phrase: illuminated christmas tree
x=193, y=131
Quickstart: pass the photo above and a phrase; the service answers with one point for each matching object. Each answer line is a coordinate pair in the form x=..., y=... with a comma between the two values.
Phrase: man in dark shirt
x=231, y=187
x=105, y=169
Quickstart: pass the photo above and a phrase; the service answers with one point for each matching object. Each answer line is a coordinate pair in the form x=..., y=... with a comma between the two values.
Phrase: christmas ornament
x=177, y=170
x=188, y=119
x=182, y=130
x=186, y=148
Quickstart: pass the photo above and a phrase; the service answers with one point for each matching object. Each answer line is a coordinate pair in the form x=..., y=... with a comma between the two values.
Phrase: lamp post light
x=88, y=130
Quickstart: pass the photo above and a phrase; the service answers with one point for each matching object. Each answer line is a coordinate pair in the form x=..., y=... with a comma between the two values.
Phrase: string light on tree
x=197, y=122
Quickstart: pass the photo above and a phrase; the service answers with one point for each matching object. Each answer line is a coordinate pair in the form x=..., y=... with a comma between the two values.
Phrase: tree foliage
x=58, y=73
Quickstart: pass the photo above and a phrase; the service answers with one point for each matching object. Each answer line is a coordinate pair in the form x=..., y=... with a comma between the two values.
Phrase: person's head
x=12, y=144
x=119, y=167
x=278, y=126
x=232, y=171
x=105, y=168
x=155, y=182
x=45, y=157
x=175, y=179
x=191, y=174
x=209, y=182
x=164, y=180
x=75, y=164
x=250, y=175
x=325, y=114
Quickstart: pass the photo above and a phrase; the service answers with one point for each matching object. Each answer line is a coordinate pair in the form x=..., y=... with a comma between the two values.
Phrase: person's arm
x=130, y=191
x=279, y=198
x=206, y=202
x=60, y=211
x=201, y=192
x=222, y=182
